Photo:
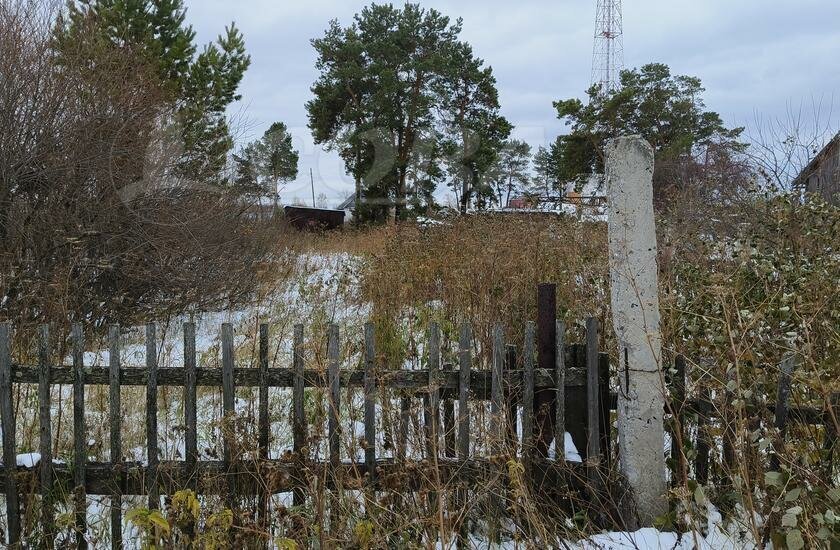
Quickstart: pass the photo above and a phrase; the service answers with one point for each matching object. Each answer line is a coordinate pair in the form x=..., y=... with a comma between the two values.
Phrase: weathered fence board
x=578, y=381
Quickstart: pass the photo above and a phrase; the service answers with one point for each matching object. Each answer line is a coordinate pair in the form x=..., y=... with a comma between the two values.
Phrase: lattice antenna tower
x=608, y=51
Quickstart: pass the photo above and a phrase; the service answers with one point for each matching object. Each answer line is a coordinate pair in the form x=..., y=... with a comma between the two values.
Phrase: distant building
x=822, y=175
x=314, y=219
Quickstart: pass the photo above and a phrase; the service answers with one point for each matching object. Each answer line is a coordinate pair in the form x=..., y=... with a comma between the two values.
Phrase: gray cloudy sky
x=755, y=57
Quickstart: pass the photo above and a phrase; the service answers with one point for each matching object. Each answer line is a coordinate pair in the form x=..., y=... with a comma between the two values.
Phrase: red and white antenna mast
x=608, y=52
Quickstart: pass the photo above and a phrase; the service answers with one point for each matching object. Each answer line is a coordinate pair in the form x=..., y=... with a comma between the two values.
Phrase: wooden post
x=511, y=389
x=116, y=434
x=298, y=411
x=605, y=423
x=831, y=417
x=79, y=436
x=8, y=421
x=701, y=461
x=528, y=397
x=151, y=417
x=228, y=412
x=678, y=422
x=263, y=425
x=449, y=446
x=544, y=407
x=370, y=403
x=780, y=418
x=593, y=438
x=333, y=424
x=465, y=364
x=45, y=447
x=434, y=393
x=497, y=430
x=190, y=415
x=560, y=394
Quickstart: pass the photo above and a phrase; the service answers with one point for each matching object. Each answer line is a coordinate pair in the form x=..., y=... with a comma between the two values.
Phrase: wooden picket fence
x=575, y=377
x=577, y=381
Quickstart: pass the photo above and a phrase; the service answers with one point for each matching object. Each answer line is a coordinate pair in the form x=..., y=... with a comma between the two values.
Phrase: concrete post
x=635, y=310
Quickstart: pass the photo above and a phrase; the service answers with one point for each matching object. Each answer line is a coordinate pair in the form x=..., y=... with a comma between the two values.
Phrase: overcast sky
x=755, y=57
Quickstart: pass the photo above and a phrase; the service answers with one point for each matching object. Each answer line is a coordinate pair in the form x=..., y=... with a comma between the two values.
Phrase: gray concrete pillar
x=635, y=311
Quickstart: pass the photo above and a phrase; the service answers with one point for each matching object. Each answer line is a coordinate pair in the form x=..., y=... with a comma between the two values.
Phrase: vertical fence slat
x=370, y=402
x=405, y=418
x=497, y=429
x=546, y=349
x=263, y=421
x=151, y=416
x=605, y=423
x=781, y=413
x=678, y=421
x=560, y=394
x=511, y=389
x=434, y=393
x=528, y=394
x=45, y=421
x=228, y=409
x=449, y=445
x=465, y=359
x=701, y=460
x=190, y=413
x=830, y=419
x=465, y=364
x=333, y=424
x=8, y=421
x=298, y=412
x=593, y=438
x=79, y=435
x=335, y=398
x=116, y=433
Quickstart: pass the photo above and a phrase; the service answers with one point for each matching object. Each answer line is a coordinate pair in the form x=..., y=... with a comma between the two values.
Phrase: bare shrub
x=92, y=224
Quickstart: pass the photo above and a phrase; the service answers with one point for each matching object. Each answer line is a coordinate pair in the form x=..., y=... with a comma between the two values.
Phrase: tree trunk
x=635, y=309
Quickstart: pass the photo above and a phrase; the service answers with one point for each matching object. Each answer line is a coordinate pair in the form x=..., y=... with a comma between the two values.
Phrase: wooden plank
x=465, y=364
x=115, y=420
x=434, y=393
x=79, y=436
x=190, y=404
x=528, y=446
x=511, y=390
x=497, y=431
x=831, y=421
x=701, y=460
x=781, y=413
x=560, y=394
x=449, y=446
x=370, y=401
x=677, y=404
x=405, y=418
x=544, y=408
x=100, y=478
x=334, y=396
x=263, y=421
x=45, y=445
x=228, y=409
x=151, y=414
x=8, y=422
x=334, y=422
x=593, y=438
x=298, y=411
x=605, y=422
x=411, y=380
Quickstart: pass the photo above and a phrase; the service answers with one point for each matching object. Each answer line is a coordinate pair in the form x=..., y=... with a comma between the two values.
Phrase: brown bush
x=93, y=226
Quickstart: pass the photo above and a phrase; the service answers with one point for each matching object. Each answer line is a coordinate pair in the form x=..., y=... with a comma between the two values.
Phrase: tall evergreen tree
x=262, y=166
x=667, y=110
x=511, y=173
x=383, y=93
x=200, y=87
